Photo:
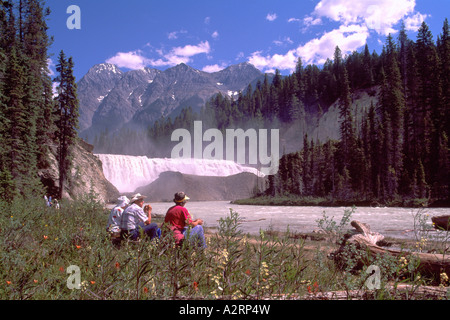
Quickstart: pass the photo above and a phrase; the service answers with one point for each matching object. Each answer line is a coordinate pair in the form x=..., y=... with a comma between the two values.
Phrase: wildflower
x=225, y=256
x=403, y=262
x=84, y=285
x=247, y=272
x=92, y=282
x=444, y=278
x=314, y=289
x=264, y=269
x=195, y=285
x=35, y=281
x=61, y=269
x=78, y=247
x=117, y=265
x=421, y=244
x=45, y=237
x=8, y=282
x=145, y=290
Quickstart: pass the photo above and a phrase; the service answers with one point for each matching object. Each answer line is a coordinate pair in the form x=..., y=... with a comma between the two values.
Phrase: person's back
x=131, y=217
x=180, y=222
x=177, y=218
x=134, y=219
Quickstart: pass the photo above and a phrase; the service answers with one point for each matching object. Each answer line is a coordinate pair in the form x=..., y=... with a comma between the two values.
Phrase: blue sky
x=210, y=35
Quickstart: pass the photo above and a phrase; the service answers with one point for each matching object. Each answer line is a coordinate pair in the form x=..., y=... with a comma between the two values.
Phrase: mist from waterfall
x=127, y=173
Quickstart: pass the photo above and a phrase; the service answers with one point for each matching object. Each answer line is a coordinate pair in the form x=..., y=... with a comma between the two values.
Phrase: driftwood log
x=408, y=291
x=429, y=263
x=441, y=222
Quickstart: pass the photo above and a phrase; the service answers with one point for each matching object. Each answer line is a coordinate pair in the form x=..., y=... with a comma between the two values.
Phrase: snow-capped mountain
x=110, y=98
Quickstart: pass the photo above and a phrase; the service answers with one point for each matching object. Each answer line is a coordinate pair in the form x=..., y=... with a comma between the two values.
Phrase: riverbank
x=291, y=200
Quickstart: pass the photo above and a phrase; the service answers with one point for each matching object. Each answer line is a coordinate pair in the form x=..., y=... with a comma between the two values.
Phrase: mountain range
x=111, y=98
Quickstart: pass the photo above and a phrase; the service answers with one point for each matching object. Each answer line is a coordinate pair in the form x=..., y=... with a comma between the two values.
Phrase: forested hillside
x=400, y=150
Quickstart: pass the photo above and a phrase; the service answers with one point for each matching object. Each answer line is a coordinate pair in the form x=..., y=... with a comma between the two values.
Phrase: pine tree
x=368, y=68
x=347, y=130
x=67, y=116
x=430, y=100
x=444, y=57
x=20, y=140
x=393, y=105
x=35, y=46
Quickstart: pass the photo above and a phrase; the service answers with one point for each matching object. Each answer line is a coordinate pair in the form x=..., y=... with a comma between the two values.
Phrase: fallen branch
x=408, y=291
x=441, y=222
x=429, y=263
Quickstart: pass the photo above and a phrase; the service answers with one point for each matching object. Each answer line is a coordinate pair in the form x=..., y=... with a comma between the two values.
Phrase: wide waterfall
x=127, y=173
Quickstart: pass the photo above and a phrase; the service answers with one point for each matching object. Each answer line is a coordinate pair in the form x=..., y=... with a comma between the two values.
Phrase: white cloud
x=271, y=16
x=51, y=67
x=240, y=55
x=377, y=15
x=414, y=22
x=55, y=86
x=310, y=21
x=174, y=35
x=214, y=68
x=215, y=35
x=348, y=38
x=357, y=20
x=190, y=50
x=276, y=61
x=180, y=55
x=136, y=59
x=129, y=60
x=286, y=40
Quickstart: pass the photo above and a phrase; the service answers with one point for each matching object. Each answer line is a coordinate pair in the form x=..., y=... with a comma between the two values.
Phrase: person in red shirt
x=180, y=221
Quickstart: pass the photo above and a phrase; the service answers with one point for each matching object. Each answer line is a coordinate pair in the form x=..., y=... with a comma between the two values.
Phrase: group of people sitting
x=132, y=219
x=51, y=202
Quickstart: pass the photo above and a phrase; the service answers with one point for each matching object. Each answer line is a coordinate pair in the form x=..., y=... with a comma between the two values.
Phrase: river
x=389, y=221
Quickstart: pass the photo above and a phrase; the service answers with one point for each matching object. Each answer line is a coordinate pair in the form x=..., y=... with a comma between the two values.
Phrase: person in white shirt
x=134, y=220
x=116, y=215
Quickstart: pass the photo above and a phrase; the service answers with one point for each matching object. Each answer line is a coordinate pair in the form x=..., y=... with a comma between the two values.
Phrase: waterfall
x=127, y=173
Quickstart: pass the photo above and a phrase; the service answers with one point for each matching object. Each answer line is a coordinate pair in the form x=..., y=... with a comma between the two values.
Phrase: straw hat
x=137, y=197
x=180, y=197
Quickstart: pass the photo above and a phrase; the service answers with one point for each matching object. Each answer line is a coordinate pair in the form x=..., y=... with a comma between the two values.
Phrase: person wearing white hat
x=134, y=220
x=116, y=215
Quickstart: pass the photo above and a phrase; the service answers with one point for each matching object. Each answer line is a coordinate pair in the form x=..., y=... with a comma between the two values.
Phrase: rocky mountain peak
x=106, y=67
x=109, y=96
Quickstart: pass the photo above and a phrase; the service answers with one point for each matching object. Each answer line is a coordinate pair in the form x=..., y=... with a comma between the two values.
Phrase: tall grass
x=40, y=245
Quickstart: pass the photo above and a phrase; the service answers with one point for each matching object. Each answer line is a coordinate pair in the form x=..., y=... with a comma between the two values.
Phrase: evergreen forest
x=35, y=121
